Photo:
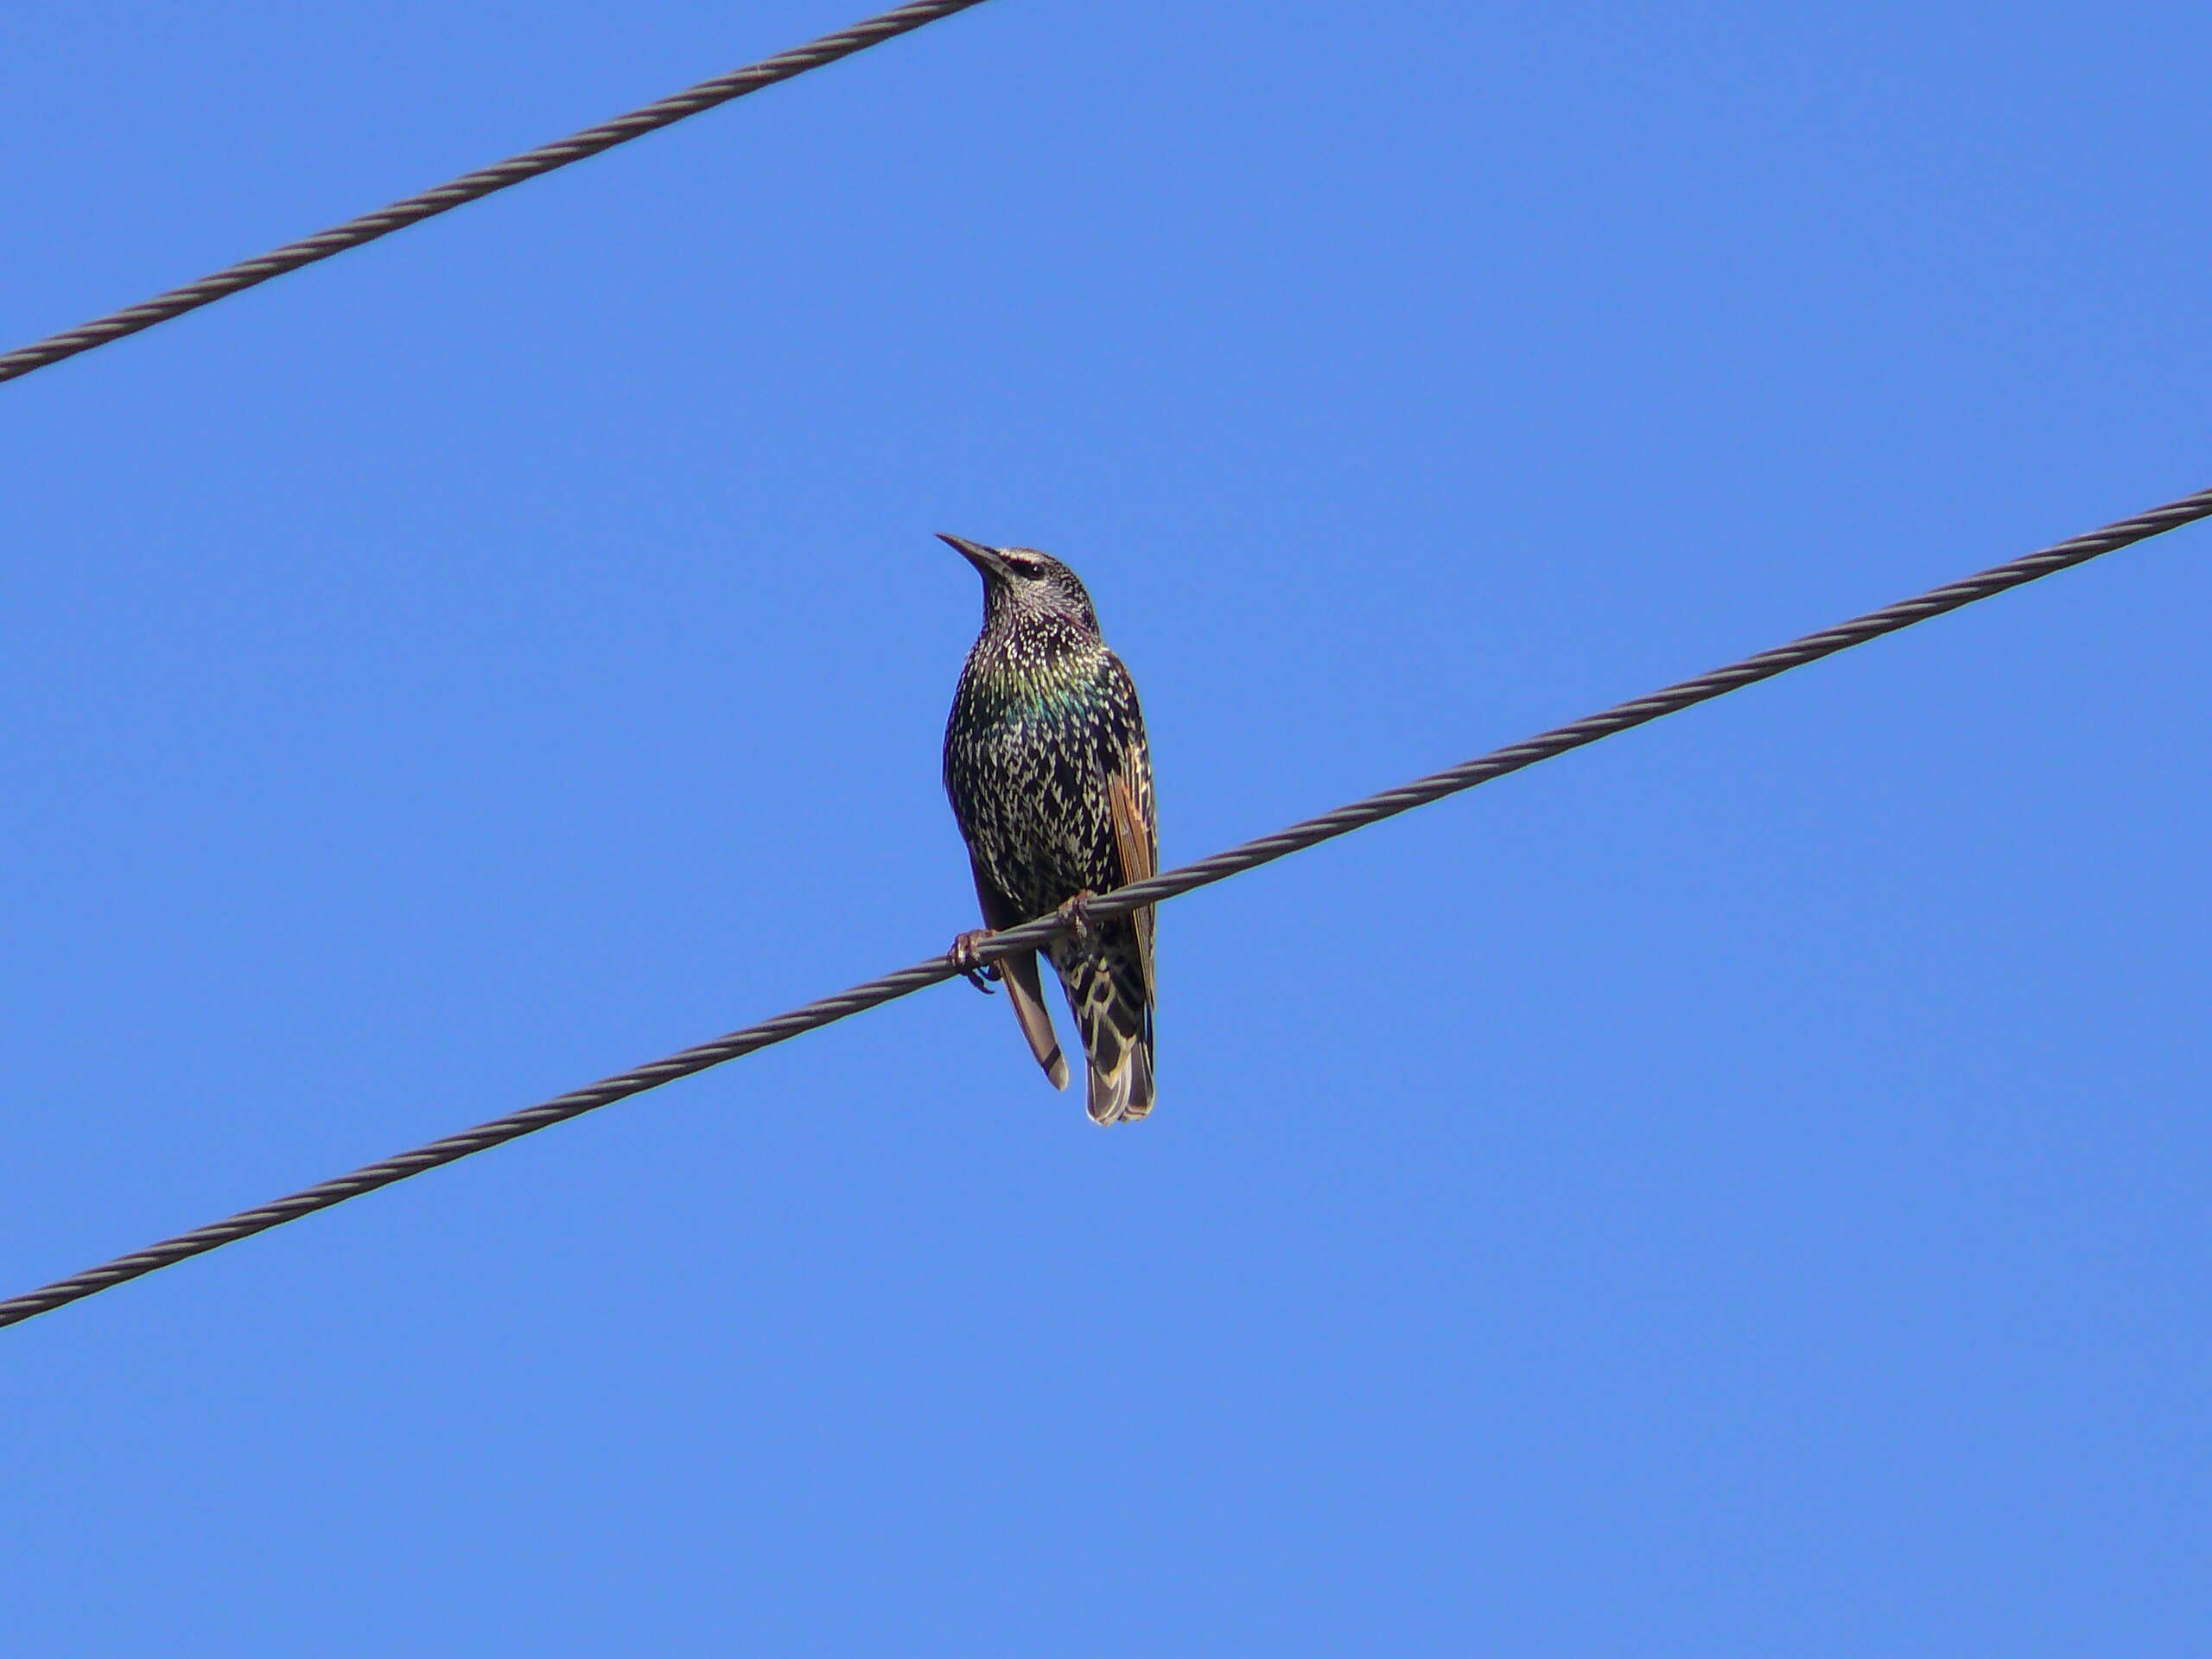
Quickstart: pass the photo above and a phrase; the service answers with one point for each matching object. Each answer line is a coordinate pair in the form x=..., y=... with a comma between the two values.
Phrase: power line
x=1359, y=814
x=470, y=186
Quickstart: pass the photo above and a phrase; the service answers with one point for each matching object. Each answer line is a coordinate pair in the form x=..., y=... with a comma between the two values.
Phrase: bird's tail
x=1123, y=1094
x=1112, y=1005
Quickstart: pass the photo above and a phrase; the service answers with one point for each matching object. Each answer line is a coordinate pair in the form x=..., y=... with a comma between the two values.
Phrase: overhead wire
x=1343, y=821
x=355, y=232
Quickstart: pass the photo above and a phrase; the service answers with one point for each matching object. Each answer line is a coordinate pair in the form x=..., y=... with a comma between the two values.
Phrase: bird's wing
x=1019, y=972
x=1129, y=797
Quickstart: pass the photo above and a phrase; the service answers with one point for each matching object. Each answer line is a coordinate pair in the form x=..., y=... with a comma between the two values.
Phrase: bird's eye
x=1027, y=569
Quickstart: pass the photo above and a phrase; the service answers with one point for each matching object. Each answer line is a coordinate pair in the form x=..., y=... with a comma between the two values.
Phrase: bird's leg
x=1075, y=913
x=972, y=967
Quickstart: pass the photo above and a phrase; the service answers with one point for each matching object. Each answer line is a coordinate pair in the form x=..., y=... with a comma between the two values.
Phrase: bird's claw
x=1075, y=914
x=972, y=967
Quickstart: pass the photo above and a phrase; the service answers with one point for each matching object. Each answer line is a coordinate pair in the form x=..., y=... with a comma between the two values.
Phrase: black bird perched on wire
x=1046, y=762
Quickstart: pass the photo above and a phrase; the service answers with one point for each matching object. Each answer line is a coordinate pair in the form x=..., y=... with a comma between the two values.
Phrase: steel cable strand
x=469, y=186
x=481, y=1138
x=1638, y=711
x=1221, y=866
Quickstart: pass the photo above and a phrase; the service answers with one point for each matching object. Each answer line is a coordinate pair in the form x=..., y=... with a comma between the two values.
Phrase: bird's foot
x=1075, y=914
x=972, y=967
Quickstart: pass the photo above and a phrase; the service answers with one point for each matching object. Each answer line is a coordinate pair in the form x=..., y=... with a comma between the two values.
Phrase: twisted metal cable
x=1359, y=814
x=482, y=182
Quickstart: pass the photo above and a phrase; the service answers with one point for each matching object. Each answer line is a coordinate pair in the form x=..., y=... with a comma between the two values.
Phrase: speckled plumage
x=1049, y=776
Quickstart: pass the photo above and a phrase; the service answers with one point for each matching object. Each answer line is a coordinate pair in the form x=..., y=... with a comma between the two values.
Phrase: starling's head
x=1024, y=581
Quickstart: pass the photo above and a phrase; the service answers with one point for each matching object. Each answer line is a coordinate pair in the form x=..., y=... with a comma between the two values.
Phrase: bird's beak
x=985, y=559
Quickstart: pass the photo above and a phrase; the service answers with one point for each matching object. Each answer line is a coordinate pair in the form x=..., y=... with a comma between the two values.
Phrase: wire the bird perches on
x=1166, y=885
x=470, y=186
x=1359, y=814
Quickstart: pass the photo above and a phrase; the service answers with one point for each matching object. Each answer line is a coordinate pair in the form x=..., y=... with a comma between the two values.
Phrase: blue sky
x=1739, y=1188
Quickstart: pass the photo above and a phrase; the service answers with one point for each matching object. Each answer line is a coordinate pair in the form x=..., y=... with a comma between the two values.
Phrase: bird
x=1050, y=777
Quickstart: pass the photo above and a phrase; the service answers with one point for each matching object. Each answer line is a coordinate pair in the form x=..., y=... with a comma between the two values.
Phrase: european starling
x=1045, y=763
